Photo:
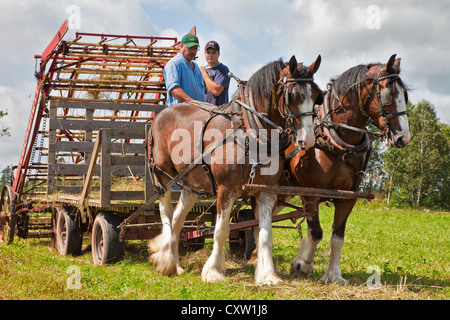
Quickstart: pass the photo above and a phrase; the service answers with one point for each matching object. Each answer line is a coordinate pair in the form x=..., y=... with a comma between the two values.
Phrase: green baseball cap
x=190, y=40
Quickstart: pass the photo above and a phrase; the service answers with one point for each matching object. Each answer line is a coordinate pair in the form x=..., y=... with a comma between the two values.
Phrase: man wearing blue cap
x=184, y=81
x=215, y=75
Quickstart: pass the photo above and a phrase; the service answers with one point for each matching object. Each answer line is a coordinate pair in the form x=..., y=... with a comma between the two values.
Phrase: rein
x=259, y=115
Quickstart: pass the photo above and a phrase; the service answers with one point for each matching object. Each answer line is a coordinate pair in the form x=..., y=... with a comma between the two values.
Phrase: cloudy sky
x=251, y=33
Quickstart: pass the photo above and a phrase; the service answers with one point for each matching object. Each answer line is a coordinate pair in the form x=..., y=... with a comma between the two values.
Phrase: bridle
x=285, y=85
x=384, y=96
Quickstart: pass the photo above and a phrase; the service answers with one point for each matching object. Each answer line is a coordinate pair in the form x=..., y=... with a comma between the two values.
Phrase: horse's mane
x=263, y=80
x=355, y=75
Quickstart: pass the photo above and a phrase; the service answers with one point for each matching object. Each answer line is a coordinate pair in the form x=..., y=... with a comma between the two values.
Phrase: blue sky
x=251, y=33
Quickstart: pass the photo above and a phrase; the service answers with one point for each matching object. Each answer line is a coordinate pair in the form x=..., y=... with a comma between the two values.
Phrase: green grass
x=411, y=247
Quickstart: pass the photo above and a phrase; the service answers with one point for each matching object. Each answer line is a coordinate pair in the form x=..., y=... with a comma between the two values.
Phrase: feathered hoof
x=212, y=275
x=269, y=279
x=334, y=278
x=301, y=267
x=165, y=264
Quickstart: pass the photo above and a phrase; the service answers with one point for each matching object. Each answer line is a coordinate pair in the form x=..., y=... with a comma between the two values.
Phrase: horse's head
x=383, y=98
x=294, y=96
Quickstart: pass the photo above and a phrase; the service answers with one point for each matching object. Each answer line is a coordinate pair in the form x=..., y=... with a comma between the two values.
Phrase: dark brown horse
x=282, y=96
x=338, y=161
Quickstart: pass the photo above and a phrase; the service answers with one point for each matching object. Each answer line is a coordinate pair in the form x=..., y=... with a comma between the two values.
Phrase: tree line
x=417, y=175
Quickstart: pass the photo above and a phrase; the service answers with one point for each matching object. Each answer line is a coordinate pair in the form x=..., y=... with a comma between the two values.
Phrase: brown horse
x=338, y=161
x=281, y=96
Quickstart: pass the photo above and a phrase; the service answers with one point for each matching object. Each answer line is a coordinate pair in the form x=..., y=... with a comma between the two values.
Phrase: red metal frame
x=36, y=113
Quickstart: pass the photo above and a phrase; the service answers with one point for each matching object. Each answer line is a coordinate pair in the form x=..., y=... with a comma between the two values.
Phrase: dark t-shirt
x=218, y=74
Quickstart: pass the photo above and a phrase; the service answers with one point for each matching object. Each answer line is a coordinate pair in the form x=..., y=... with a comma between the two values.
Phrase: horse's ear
x=315, y=65
x=391, y=62
x=293, y=65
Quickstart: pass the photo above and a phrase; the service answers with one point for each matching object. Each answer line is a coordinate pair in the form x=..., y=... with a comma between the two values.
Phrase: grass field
x=410, y=247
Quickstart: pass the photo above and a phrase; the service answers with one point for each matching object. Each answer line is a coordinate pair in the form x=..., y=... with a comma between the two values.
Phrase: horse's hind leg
x=342, y=211
x=303, y=262
x=163, y=247
x=185, y=204
x=265, y=269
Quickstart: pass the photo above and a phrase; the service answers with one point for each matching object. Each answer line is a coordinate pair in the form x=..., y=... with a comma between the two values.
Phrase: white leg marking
x=265, y=270
x=184, y=205
x=305, y=256
x=333, y=273
x=214, y=268
x=163, y=252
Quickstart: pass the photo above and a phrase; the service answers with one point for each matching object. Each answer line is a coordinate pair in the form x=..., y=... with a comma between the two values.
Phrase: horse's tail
x=158, y=186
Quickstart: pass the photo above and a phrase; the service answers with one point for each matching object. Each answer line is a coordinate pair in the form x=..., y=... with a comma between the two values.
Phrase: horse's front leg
x=303, y=262
x=342, y=211
x=214, y=268
x=265, y=269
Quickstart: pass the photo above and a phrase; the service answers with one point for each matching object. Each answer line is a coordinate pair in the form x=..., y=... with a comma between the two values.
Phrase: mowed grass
x=410, y=247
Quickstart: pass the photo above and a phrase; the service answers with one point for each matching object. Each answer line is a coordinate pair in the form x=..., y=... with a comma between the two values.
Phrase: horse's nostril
x=400, y=142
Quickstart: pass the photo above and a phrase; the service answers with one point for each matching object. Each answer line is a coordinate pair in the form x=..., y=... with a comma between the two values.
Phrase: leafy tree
x=418, y=174
x=6, y=177
x=374, y=176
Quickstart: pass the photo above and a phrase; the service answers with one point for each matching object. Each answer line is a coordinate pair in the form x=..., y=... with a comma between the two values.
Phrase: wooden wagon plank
x=90, y=170
x=128, y=160
x=105, y=169
x=127, y=195
x=70, y=169
x=82, y=146
x=56, y=103
x=93, y=125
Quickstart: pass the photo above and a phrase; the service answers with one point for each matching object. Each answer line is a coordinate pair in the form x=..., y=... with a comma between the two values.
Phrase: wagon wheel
x=106, y=247
x=68, y=234
x=8, y=218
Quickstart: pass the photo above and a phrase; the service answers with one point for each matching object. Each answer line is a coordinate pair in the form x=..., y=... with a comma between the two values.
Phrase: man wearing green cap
x=184, y=81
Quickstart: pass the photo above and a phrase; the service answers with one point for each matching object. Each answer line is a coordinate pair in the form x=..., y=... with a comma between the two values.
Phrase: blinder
x=386, y=97
x=285, y=91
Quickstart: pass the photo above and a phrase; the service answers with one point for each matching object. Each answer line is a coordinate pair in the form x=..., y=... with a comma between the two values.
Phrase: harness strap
x=256, y=113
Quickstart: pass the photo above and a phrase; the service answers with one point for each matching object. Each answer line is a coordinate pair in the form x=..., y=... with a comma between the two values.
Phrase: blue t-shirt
x=218, y=74
x=178, y=73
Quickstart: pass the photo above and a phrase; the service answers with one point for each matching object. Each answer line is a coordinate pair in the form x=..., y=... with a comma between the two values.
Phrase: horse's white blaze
x=306, y=134
x=403, y=119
